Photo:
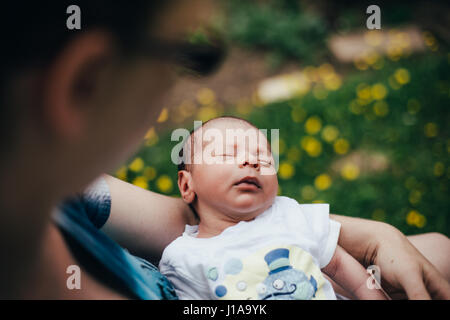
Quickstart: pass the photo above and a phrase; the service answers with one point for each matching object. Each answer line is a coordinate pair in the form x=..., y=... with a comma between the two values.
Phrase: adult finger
x=437, y=285
x=414, y=286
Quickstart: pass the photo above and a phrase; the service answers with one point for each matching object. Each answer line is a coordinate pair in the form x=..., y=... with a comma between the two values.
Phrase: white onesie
x=278, y=255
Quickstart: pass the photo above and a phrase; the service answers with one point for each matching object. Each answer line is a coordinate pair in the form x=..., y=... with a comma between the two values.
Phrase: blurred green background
x=362, y=114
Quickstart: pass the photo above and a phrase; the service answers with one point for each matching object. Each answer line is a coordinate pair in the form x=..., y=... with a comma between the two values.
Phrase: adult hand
x=404, y=270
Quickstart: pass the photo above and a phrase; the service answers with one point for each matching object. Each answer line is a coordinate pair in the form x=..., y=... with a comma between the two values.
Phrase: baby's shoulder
x=285, y=201
x=284, y=205
x=289, y=211
x=177, y=249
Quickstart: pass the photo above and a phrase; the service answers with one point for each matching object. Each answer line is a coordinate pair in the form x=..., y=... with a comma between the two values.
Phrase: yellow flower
x=311, y=73
x=402, y=76
x=330, y=133
x=350, y=171
x=206, y=96
x=184, y=110
x=363, y=92
x=393, y=83
x=371, y=57
x=431, y=130
x=163, y=116
x=363, y=102
x=150, y=173
x=380, y=108
x=164, y=184
x=414, y=218
x=439, y=169
x=313, y=125
x=151, y=137
x=421, y=221
x=401, y=39
x=379, y=91
x=394, y=52
x=333, y=82
x=286, y=170
x=373, y=38
x=206, y=113
x=136, y=165
x=312, y=146
x=121, y=173
x=325, y=71
x=308, y=193
x=322, y=182
x=341, y=146
x=140, y=182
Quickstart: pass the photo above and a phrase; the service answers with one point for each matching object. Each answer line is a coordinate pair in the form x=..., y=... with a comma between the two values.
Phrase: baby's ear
x=186, y=186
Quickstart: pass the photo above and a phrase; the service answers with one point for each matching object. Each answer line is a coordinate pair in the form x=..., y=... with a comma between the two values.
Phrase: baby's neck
x=213, y=221
x=211, y=226
x=208, y=232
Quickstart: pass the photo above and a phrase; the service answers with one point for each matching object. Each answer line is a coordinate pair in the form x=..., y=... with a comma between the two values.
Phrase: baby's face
x=234, y=174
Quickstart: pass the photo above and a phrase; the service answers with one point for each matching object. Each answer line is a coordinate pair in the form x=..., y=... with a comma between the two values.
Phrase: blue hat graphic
x=278, y=260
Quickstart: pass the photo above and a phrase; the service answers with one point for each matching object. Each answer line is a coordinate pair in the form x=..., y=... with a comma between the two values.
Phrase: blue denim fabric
x=80, y=218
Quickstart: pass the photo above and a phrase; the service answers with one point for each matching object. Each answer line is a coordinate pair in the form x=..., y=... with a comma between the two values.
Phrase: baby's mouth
x=249, y=181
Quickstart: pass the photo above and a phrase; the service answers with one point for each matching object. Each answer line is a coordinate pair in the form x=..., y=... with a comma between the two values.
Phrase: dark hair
x=34, y=32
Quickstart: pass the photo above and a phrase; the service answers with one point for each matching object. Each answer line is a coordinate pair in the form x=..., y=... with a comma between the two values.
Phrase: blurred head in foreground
x=76, y=103
x=81, y=100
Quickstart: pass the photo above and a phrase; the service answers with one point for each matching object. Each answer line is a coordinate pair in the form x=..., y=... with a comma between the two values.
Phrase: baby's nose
x=250, y=161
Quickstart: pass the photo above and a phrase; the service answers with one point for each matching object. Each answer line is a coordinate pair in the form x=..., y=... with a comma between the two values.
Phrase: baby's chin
x=248, y=203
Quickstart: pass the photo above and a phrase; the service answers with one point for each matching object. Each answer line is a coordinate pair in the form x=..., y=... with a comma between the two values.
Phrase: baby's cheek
x=272, y=185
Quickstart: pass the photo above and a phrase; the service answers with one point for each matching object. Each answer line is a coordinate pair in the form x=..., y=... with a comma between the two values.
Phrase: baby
x=251, y=243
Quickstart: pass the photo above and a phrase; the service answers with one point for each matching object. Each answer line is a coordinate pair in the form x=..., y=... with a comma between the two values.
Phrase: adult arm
x=351, y=276
x=142, y=221
x=403, y=268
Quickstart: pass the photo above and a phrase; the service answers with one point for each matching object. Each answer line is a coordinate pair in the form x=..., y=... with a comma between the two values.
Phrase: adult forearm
x=362, y=237
x=144, y=222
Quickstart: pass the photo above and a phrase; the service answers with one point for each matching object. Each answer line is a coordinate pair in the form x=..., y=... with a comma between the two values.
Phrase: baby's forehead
x=231, y=132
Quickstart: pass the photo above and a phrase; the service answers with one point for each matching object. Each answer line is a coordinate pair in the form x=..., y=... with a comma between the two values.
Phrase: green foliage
x=281, y=27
